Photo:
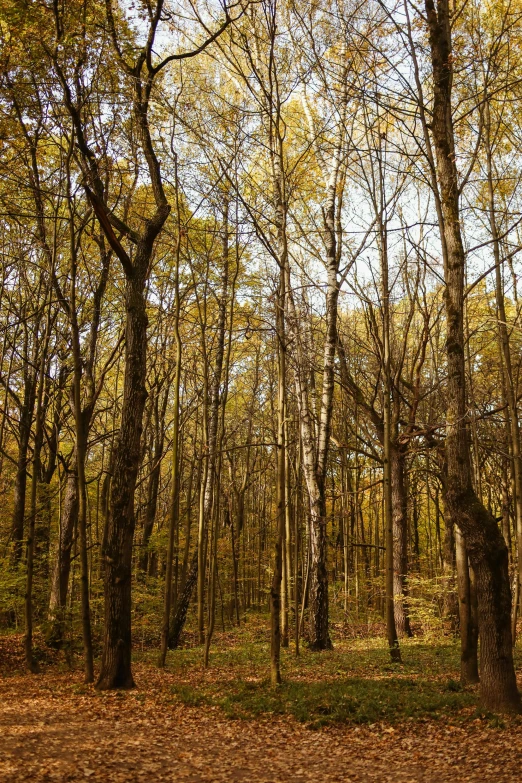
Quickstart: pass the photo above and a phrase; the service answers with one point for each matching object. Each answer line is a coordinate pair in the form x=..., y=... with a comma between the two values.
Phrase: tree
x=486, y=546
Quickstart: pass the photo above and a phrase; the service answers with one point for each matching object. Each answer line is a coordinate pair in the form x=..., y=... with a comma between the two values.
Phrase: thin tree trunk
x=391, y=629
x=400, y=542
x=213, y=580
x=275, y=590
x=451, y=600
x=235, y=566
x=174, y=501
x=151, y=504
x=468, y=631
x=178, y=622
x=62, y=563
x=188, y=522
x=82, y=420
x=36, y=466
x=20, y=485
x=213, y=423
x=196, y=574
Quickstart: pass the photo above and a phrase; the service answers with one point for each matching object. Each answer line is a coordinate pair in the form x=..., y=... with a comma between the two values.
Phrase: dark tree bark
x=117, y=552
x=154, y=479
x=44, y=518
x=26, y=412
x=174, y=503
x=486, y=547
x=62, y=563
x=178, y=621
x=388, y=426
x=188, y=518
x=30, y=661
x=400, y=541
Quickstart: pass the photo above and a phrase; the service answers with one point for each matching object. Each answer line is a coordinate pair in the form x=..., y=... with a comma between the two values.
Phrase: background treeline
x=226, y=257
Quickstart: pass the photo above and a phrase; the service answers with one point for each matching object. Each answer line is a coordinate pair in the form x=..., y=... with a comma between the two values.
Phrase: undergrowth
x=355, y=700
x=355, y=682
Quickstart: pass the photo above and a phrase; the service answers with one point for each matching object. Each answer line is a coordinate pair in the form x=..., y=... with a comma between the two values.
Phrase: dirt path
x=54, y=729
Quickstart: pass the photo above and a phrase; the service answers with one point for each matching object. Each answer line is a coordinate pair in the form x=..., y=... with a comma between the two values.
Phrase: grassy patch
x=354, y=683
x=355, y=700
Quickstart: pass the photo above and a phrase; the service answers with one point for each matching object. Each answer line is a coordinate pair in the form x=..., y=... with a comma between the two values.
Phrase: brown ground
x=54, y=729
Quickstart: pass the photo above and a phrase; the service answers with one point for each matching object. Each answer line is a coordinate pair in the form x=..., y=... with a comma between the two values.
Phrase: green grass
x=354, y=700
x=354, y=683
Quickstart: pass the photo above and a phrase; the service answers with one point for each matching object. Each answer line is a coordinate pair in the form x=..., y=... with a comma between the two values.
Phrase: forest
x=260, y=377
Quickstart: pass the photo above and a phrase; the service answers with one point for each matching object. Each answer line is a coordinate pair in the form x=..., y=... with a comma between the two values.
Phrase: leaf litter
x=55, y=728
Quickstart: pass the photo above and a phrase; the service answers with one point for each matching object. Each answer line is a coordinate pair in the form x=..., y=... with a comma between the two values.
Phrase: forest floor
x=345, y=715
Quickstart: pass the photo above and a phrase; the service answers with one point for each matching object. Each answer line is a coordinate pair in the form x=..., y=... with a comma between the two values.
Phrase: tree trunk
x=235, y=564
x=275, y=588
x=81, y=447
x=318, y=590
x=39, y=380
x=62, y=565
x=284, y=594
x=20, y=487
x=508, y=383
x=486, y=547
x=468, y=630
x=174, y=501
x=400, y=542
x=82, y=422
x=388, y=426
x=151, y=506
x=188, y=522
x=212, y=580
x=116, y=659
x=178, y=621
x=451, y=601
x=213, y=424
